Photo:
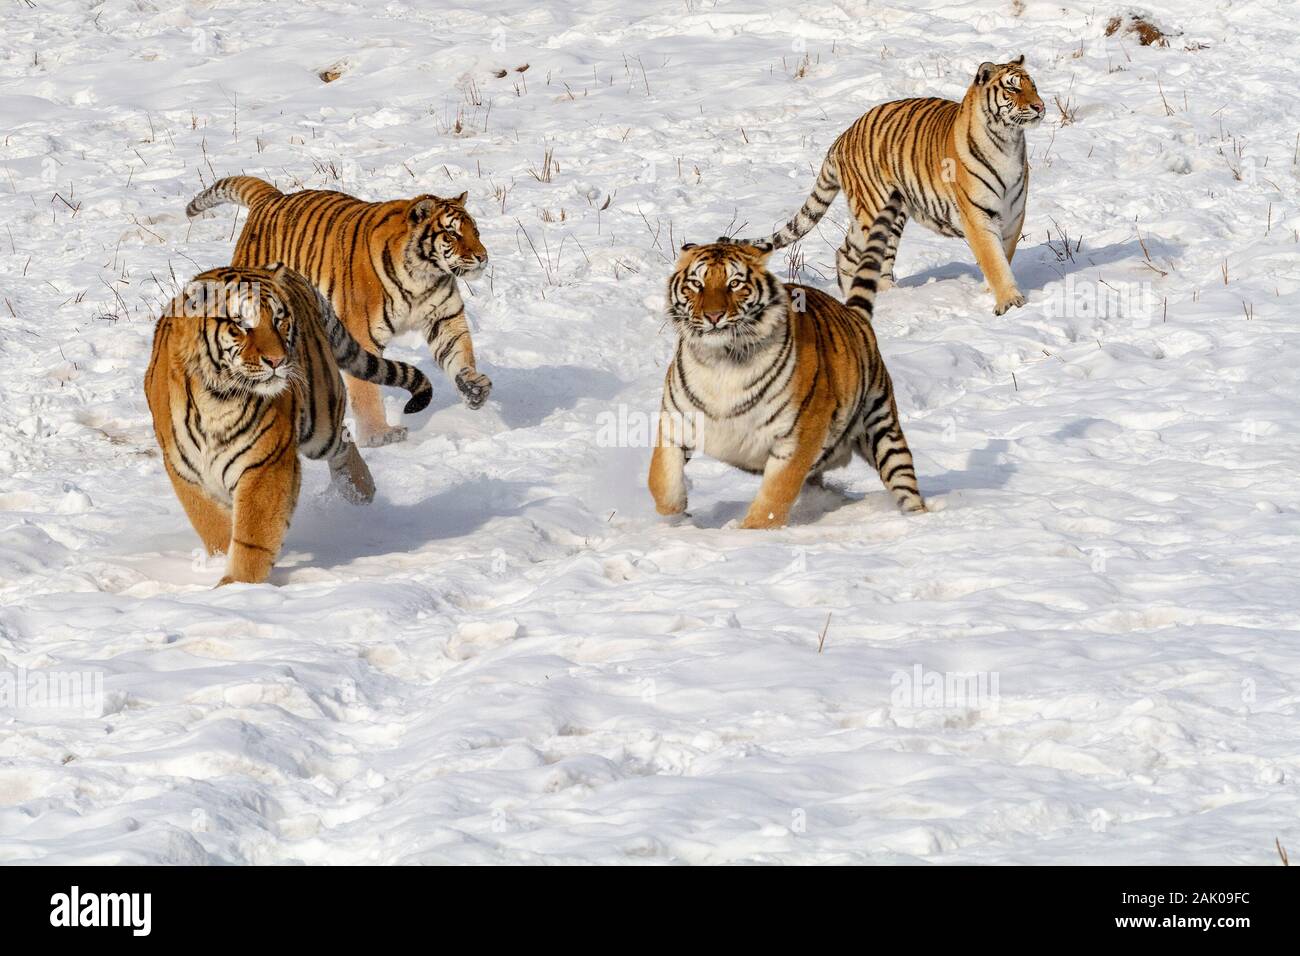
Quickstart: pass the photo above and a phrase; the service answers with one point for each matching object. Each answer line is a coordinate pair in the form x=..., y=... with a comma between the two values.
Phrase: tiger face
x=444, y=238
x=721, y=296
x=1009, y=95
x=249, y=337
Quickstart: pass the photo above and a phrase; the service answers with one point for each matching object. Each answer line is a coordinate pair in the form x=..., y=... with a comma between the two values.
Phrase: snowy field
x=1089, y=651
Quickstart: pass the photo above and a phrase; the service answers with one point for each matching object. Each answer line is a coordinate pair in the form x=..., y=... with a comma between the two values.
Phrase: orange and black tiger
x=386, y=267
x=776, y=379
x=243, y=376
x=960, y=168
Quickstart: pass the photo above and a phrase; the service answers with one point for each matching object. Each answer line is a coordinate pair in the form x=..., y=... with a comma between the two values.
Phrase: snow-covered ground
x=1087, y=652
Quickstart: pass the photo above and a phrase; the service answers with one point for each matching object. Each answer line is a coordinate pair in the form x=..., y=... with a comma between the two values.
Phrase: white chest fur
x=736, y=413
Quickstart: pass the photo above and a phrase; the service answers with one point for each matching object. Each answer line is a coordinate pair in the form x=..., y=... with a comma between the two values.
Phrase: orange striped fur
x=386, y=267
x=960, y=168
x=780, y=380
x=244, y=374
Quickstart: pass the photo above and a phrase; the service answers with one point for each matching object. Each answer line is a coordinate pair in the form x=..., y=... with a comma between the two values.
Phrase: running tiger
x=386, y=267
x=244, y=374
x=776, y=379
x=960, y=167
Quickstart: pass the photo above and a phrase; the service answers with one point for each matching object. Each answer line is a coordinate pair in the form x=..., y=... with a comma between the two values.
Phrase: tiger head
x=721, y=297
x=1008, y=94
x=248, y=330
x=443, y=238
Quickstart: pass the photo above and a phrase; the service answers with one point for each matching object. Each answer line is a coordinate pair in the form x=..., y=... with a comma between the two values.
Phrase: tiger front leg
x=668, y=478
x=264, y=503
x=986, y=242
x=787, y=468
x=448, y=336
x=210, y=518
x=1009, y=242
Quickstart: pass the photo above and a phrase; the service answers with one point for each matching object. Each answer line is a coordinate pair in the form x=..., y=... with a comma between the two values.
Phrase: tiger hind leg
x=862, y=246
x=891, y=250
x=884, y=447
x=350, y=475
x=372, y=429
x=847, y=258
x=850, y=255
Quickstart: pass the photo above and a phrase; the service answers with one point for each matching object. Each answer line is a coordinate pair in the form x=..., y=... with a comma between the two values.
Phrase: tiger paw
x=232, y=579
x=670, y=509
x=762, y=519
x=474, y=387
x=354, y=494
x=388, y=436
x=1015, y=301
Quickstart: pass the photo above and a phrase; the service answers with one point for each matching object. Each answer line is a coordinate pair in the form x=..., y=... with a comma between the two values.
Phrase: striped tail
x=359, y=363
x=241, y=190
x=861, y=296
x=814, y=207
x=882, y=442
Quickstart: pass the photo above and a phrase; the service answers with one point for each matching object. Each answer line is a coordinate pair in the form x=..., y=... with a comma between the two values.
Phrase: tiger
x=960, y=167
x=386, y=267
x=244, y=374
x=776, y=379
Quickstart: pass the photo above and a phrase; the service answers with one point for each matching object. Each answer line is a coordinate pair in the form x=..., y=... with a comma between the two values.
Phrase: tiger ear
x=279, y=271
x=1019, y=61
x=985, y=72
x=421, y=209
x=688, y=246
x=460, y=200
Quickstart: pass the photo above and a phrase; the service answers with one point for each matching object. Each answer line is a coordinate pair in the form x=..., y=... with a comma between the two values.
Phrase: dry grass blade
x=549, y=167
x=1066, y=252
x=1068, y=110
x=1147, y=254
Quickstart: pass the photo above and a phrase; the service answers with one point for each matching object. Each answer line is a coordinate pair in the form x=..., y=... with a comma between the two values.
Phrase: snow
x=509, y=657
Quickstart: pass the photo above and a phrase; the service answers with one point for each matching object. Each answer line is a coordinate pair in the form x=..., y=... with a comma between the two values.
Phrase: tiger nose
x=1039, y=108
x=714, y=318
x=273, y=363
